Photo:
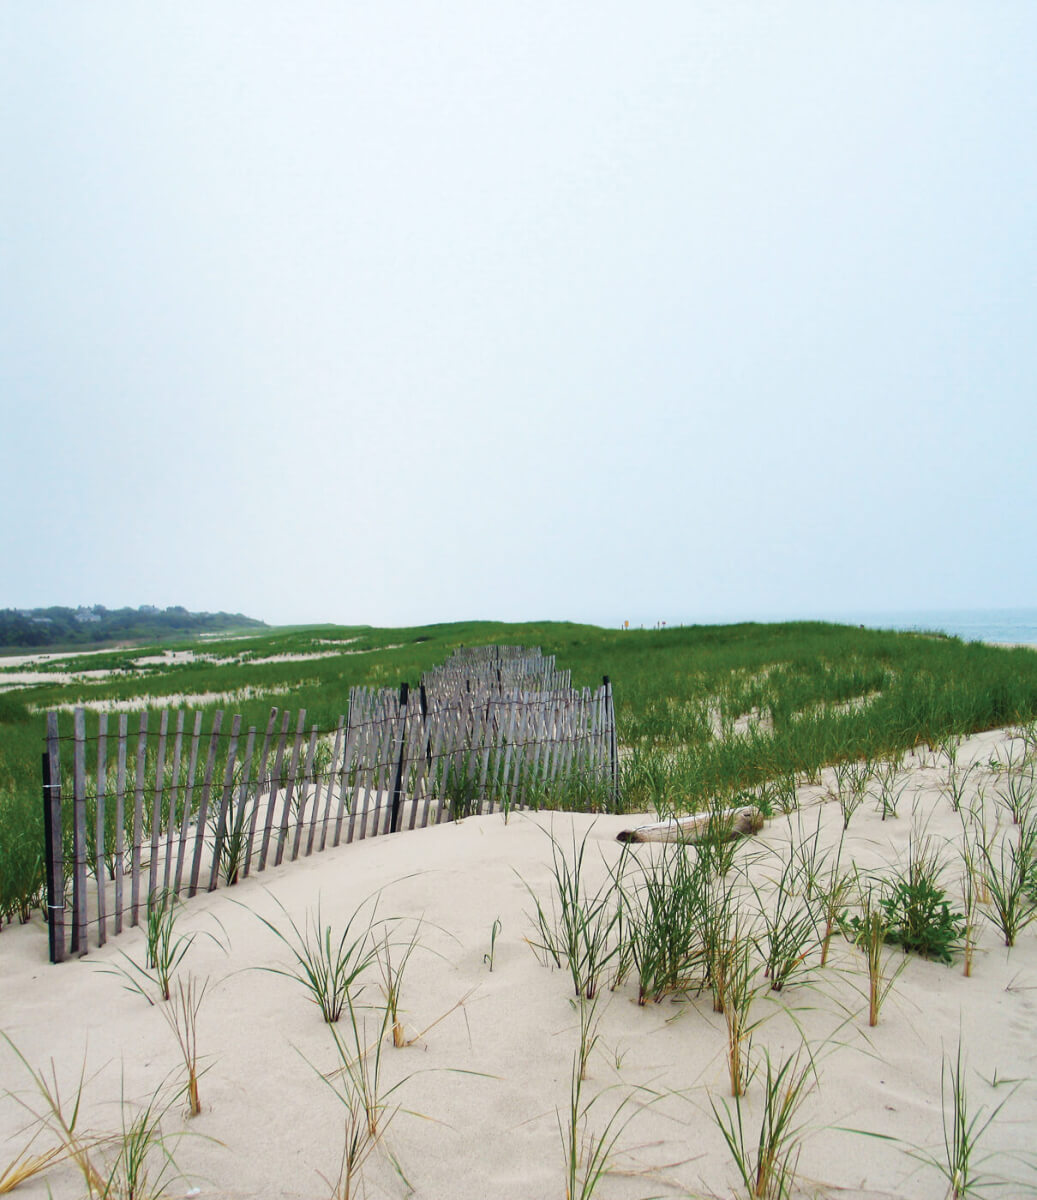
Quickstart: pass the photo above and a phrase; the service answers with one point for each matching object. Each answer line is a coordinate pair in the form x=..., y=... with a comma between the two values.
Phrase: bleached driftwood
x=735, y=822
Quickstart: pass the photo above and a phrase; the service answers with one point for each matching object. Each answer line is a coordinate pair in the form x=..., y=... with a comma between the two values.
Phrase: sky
x=396, y=313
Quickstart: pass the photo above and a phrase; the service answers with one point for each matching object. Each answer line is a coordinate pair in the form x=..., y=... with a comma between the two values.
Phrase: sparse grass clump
x=182, y=1018
x=661, y=899
x=165, y=949
x=960, y=1161
x=576, y=929
x=767, y=1168
x=1009, y=873
x=327, y=966
x=587, y=1151
x=786, y=923
x=869, y=930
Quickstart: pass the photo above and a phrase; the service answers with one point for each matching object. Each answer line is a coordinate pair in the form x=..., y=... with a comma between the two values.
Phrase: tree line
x=37, y=628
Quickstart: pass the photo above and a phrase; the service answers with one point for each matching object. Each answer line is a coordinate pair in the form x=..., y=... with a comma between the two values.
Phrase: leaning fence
x=169, y=803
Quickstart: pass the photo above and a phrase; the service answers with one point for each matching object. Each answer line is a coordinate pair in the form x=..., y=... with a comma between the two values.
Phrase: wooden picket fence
x=162, y=806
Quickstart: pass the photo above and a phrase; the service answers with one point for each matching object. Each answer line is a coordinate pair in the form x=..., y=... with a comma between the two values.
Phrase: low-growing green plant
x=806, y=858
x=368, y=1107
x=717, y=915
x=328, y=967
x=918, y=913
x=978, y=836
x=736, y=972
x=143, y=1166
x=717, y=844
x=970, y=901
x=1027, y=733
x=956, y=786
x=360, y=1068
x=948, y=747
x=61, y=1120
x=135, y=1163
x=22, y=874
x=785, y=793
x=852, y=796
x=232, y=845
x=461, y=784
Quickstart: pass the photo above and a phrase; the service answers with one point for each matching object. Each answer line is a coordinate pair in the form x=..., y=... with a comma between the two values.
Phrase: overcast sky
x=400, y=312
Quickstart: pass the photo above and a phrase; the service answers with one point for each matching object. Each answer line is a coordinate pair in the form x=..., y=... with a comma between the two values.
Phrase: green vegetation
x=328, y=969
x=704, y=713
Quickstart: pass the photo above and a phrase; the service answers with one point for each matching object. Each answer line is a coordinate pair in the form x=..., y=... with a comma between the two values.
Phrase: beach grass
x=703, y=712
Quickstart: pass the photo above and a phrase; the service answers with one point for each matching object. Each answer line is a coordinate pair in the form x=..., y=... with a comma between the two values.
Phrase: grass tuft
x=326, y=967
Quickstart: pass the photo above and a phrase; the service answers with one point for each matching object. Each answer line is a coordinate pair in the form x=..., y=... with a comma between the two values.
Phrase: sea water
x=1008, y=625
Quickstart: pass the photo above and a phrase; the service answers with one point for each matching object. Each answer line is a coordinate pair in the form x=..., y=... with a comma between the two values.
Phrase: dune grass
x=767, y=1166
x=703, y=712
x=326, y=966
x=575, y=928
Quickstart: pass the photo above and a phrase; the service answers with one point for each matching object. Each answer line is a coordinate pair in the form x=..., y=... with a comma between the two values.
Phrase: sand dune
x=482, y=1090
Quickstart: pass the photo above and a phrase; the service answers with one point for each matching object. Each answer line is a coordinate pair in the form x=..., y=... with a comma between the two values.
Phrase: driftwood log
x=729, y=822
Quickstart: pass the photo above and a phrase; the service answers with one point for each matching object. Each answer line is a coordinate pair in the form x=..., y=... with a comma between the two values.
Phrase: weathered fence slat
x=78, y=941
x=289, y=791
x=271, y=725
x=304, y=794
x=275, y=783
x=138, y=818
x=53, y=829
x=156, y=806
x=99, y=825
x=185, y=819
x=334, y=774
x=120, y=818
x=174, y=792
x=399, y=750
x=247, y=803
x=203, y=803
x=225, y=803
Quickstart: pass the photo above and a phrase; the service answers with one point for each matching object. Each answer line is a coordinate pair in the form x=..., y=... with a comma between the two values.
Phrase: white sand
x=277, y=1127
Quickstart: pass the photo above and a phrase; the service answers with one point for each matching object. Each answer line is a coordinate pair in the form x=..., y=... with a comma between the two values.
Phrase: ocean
x=1018, y=625
x=1012, y=626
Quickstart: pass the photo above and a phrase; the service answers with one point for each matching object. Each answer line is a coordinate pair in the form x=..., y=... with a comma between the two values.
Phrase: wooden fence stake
x=401, y=743
x=52, y=829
